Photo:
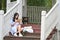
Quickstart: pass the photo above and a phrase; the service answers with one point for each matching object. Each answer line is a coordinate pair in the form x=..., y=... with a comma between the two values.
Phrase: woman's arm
x=12, y=23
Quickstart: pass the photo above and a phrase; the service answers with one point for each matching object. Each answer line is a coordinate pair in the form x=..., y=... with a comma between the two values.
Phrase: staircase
x=26, y=35
x=45, y=31
x=31, y=36
x=51, y=34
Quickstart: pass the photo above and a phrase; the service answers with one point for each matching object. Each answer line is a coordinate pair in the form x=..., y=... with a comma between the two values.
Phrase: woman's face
x=16, y=16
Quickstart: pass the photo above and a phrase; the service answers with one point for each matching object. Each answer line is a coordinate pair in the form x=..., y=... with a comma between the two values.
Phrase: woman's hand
x=20, y=20
x=17, y=21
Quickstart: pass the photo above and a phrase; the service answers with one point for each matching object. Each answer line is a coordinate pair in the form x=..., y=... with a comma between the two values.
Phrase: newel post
x=43, y=17
x=1, y=24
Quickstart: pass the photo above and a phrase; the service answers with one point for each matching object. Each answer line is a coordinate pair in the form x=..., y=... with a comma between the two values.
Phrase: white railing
x=11, y=4
x=34, y=13
x=5, y=18
x=49, y=21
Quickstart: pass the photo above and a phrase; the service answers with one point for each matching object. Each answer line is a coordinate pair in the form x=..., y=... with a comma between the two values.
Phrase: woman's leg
x=19, y=29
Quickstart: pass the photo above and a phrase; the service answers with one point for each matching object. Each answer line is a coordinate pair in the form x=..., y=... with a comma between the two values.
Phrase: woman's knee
x=19, y=27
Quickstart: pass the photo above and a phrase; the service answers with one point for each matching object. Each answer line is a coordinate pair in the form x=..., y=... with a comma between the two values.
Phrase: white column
x=1, y=24
x=43, y=17
x=24, y=8
x=23, y=2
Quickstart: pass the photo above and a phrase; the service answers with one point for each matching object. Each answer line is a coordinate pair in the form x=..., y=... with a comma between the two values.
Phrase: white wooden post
x=25, y=8
x=23, y=1
x=1, y=24
x=24, y=14
x=43, y=17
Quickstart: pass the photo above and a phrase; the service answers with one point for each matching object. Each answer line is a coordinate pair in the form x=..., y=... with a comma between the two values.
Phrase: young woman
x=15, y=25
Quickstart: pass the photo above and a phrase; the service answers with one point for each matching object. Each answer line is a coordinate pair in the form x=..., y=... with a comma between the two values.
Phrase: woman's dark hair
x=15, y=16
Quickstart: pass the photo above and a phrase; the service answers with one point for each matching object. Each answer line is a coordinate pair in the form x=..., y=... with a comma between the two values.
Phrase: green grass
x=48, y=3
x=3, y=5
x=0, y=4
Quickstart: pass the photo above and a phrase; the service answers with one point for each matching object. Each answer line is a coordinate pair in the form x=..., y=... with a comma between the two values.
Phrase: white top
x=14, y=27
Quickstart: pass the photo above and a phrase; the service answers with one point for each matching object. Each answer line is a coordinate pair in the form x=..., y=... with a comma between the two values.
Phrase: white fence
x=34, y=13
x=49, y=21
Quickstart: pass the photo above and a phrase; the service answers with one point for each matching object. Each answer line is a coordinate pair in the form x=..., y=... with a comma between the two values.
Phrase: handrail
x=54, y=19
x=51, y=9
x=49, y=21
x=9, y=14
x=11, y=9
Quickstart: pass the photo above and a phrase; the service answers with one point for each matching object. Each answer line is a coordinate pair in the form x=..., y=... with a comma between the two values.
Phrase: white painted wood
x=52, y=19
x=8, y=1
x=43, y=19
x=18, y=1
x=49, y=21
x=9, y=14
x=10, y=5
x=20, y=11
x=1, y=24
x=58, y=36
x=54, y=36
x=58, y=25
x=23, y=2
x=52, y=9
x=24, y=14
